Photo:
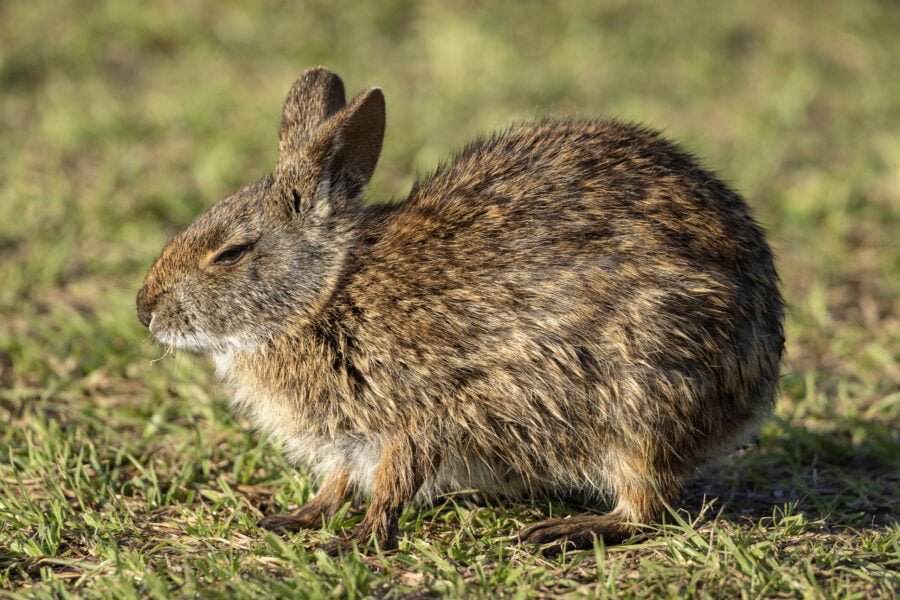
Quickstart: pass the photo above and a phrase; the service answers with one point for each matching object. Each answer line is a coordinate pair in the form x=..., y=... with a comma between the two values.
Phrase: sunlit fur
x=568, y=307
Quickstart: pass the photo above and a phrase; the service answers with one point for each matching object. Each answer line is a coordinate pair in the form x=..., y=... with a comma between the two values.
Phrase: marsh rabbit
x=565, y=308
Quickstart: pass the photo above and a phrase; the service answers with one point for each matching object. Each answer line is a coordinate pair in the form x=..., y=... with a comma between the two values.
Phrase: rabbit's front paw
x=339, y=546
x=362, y=539
x=316, y=513
x=308, y=516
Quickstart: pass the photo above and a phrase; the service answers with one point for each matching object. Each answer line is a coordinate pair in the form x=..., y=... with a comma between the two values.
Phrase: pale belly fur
x=271, y=415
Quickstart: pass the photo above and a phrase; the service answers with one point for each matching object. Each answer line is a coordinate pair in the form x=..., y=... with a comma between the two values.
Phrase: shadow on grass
x=847, y=476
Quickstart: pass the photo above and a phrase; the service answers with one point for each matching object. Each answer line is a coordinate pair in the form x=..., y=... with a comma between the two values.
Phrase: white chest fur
x=272, y=414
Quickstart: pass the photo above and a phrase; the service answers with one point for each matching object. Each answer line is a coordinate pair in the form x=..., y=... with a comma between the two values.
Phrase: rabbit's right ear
x=315, y=96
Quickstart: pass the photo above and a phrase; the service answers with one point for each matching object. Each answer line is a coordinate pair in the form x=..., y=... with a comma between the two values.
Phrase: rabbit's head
x=272, y=251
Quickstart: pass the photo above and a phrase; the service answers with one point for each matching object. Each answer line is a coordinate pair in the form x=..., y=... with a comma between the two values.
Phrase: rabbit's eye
x=231, y=255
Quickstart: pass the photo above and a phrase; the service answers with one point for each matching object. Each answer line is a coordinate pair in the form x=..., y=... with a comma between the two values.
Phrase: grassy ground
x=125, y=474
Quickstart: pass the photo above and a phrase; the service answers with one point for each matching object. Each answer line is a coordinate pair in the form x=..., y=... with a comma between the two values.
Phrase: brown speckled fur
x=568, y=307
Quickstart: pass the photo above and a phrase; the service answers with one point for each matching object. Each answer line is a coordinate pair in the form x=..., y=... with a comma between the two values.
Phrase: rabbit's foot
x=337, y=546
x=362, y=539
x=308, y=516
x=315, y=513
x=397, y=479
x=577, y=533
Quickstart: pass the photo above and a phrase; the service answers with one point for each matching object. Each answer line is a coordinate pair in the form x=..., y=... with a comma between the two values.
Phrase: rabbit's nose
x=144, y=308
x=145, y=316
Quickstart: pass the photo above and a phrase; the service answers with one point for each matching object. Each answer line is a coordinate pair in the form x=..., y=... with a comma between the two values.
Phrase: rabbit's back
x=574, y=185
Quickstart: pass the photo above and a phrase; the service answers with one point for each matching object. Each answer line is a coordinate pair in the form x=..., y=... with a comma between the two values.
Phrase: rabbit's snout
x=145, y=305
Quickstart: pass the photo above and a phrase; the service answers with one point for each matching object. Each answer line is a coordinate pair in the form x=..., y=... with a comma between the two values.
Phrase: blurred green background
x=121, y=121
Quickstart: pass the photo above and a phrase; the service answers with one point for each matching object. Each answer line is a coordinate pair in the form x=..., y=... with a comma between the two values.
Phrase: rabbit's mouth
x=189, y=339
x=199, y=342
x=192, y=341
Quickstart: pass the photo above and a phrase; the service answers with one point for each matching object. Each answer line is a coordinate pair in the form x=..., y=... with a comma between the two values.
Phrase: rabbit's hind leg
x=640, y=498
x=332, y=494
x=578, y=532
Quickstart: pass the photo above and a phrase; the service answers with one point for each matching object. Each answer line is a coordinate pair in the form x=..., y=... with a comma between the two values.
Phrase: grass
x=124, y=473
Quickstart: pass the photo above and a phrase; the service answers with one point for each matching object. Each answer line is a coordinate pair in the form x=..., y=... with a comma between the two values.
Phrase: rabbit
x=567, y=308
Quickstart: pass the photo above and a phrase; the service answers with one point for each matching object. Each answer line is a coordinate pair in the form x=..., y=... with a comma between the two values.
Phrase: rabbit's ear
x=314, y=98
x=354, y=144
x=333, y=168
